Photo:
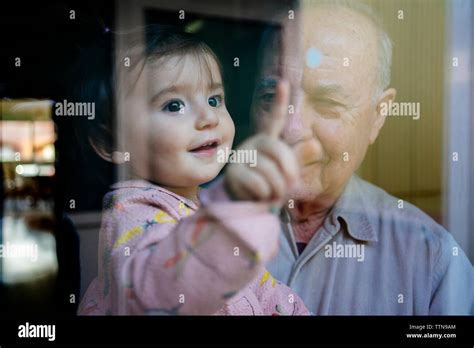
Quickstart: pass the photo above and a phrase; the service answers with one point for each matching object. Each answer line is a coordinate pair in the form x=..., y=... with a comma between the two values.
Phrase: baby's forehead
x=199, y=69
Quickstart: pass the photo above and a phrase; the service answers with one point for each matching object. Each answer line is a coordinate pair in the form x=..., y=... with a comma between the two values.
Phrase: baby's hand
x=276, y=168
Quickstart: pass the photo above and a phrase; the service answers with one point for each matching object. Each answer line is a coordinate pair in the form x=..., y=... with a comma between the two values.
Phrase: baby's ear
x=101, y=143
x=100, y=149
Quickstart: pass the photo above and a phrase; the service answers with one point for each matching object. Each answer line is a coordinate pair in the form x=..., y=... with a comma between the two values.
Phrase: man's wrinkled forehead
x=326, y=43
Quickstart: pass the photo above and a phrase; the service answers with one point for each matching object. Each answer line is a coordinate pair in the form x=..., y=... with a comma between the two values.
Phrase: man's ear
x=387, y=96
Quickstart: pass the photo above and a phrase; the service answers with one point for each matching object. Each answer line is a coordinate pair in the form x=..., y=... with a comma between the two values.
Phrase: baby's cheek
x=228, y=128
x=164, y=145
x=161, y=152
x=168, y=136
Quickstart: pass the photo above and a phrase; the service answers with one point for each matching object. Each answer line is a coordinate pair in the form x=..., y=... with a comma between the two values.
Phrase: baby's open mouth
x=208, y=148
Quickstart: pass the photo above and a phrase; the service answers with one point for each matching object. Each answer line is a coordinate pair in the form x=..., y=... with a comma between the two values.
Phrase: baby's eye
x=173, y=106
x=215, y=101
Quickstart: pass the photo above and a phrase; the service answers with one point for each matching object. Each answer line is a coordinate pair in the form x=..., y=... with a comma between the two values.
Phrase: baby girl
x=167, y=247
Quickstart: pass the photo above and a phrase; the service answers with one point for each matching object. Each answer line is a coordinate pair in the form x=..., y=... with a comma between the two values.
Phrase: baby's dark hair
x=97, y=81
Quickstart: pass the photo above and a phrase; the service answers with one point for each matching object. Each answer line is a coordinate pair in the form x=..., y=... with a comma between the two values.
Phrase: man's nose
x=207, y=118
x=297, y=128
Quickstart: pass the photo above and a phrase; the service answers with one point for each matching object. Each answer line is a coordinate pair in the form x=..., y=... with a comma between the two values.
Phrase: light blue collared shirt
x=372, y=257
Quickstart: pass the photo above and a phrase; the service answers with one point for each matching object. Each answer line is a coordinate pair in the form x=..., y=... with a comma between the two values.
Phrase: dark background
x=52, y=48
x=48, y=43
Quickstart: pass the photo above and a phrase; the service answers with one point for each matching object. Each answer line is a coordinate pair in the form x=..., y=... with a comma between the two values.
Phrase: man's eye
x=215, y=101
x=328, y=111
x=267, y=98
x=173, y=106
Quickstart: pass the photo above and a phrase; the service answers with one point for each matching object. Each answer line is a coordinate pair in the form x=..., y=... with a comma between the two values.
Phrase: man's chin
x=306, y=190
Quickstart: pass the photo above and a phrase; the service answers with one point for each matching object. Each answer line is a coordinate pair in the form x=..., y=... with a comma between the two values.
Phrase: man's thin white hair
x=384, y=61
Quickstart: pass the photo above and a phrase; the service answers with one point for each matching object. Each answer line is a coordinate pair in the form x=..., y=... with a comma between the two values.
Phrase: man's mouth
x=208, y=148
x=310, y=163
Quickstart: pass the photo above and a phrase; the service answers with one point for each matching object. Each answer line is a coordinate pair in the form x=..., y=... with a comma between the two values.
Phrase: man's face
x=333, y=82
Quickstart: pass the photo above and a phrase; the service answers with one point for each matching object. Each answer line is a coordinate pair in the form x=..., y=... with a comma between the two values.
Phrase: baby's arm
x=276, y=298
x=192, y=266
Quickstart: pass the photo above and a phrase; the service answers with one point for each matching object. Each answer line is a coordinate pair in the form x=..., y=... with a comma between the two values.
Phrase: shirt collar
x=146, y=185
x=353, y=208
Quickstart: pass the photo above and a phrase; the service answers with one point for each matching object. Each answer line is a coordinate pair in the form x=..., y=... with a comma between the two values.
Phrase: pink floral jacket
x=160, y=253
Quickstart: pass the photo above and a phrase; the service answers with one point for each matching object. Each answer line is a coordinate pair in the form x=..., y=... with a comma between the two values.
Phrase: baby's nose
x=207, y=119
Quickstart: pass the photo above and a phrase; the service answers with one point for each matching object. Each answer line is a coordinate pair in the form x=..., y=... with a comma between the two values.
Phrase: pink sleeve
x=276, y=298
x=192, y=266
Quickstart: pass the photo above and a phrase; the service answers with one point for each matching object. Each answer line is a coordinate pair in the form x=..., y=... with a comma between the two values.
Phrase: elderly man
x=348, y=247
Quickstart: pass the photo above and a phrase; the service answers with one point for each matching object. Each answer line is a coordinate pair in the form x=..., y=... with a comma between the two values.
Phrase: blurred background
x=433, y=65
x=53, y=183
